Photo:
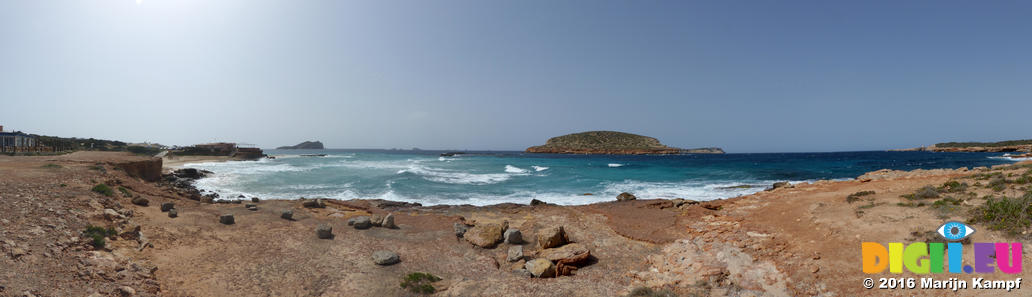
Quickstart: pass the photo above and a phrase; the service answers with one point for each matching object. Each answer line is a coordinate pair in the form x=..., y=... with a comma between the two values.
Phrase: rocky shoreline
x=164, y=242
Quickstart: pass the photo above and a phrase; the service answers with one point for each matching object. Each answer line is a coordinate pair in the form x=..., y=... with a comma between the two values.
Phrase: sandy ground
x=801, y=241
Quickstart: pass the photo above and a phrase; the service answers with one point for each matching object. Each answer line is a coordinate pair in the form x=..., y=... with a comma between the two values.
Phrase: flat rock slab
x=485, y=235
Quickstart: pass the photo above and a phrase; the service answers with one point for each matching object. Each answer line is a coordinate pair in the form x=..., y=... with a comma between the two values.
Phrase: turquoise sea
x=482, y=178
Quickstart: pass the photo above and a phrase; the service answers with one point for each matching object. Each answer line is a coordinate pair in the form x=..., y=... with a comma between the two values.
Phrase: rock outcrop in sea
x=307, y=145
x=612, y=143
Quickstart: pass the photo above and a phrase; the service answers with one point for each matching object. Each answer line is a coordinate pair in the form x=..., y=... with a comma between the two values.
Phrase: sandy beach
x=794, y=241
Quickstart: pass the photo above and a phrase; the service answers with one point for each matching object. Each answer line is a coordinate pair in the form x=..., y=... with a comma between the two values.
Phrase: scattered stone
x=388, y=222
x=515, y=253
x=376, y=220
x=541, y=268
x=513, y=236
x=522, y=272
x=167, y=206
x=141, y=201
x=625, y=197
x=324, y=231
x=314, y=203
x=460, y=229
x=126, y=291
x=255, y=199
x=535, y=202
x=173, y=213
x=227, y=219
x=251, y=207
x=361, y=222
x=384, y=257
x=552, y=237
x=112, y=215
x=486, y=235
x=206, y=199
x=287, y=214
x=569, y=251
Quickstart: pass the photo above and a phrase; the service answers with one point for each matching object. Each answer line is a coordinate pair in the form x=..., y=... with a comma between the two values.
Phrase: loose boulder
x=388, y=222
x=141, y=201
x=314, y=203
x=167, y=206
x=384, y=257
x=625, y=197
x=486, y=235
x=541, y=268
x=251, y=207
x=255, y=199
x=287, y=215
x=515, y=253
x=362, y=222
x=569, y=251
x=227, y=219
x=552, y=237
x=376, y=220
x=535, y=202
x=513, y=236
x=460, y=229
x=173, y=213
x=779, y=185
x=324, y=231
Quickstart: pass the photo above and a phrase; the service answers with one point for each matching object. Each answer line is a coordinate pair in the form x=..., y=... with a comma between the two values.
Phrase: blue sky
x=748, y=76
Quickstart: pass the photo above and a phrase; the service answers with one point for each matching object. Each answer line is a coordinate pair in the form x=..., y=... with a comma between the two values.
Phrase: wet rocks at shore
x=625, y=197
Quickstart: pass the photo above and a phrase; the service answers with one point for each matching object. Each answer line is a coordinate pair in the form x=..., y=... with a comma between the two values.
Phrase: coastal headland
x=793, y=240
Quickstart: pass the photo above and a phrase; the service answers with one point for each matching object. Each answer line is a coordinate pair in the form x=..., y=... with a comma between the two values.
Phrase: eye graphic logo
x=955, y=231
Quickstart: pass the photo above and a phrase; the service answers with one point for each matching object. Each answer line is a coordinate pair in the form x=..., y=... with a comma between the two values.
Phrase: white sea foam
x=539, y=168
x=615, y=165
x=514, y=169
x=456, y=177
x=1009, y=158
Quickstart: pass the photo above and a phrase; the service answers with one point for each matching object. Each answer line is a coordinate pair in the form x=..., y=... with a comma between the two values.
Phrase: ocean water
x=483, y=178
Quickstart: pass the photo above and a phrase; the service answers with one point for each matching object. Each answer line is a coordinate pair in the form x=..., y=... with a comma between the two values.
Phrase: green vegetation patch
x=52, y=166
x=926, y=192
x=420, y=283
x=125, y=192
x=1006, y=214
x=953, y=187
x=856, y=196
x=98, y=235
x=103, y=190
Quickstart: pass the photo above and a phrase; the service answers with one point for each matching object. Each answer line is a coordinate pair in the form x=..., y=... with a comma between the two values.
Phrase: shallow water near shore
x=483, y=178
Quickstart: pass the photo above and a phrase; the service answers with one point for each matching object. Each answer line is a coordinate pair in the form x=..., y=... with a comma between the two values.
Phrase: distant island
x=612, y=143
x=307, y=145
x=991, y=147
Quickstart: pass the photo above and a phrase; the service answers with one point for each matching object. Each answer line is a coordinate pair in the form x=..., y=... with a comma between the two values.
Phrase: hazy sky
x=748, y=76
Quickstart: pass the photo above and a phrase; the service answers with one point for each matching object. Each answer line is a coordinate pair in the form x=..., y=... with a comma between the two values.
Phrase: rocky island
x=307, y=145
x=989, y=147
x=614, y=143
